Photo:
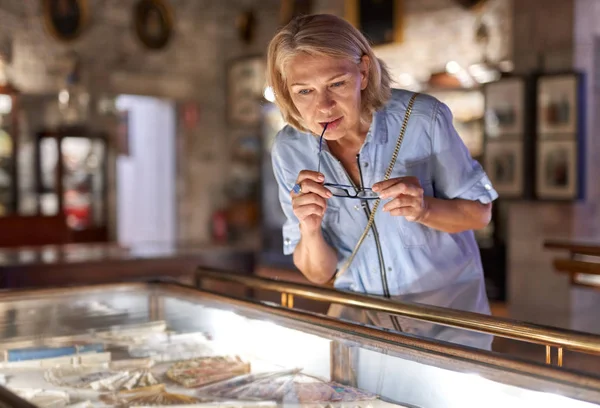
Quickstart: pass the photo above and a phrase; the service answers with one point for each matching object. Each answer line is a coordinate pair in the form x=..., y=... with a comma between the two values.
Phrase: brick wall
x=192, y=67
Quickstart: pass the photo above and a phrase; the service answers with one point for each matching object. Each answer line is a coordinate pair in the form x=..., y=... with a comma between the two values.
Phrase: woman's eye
x=336, y=84
x=304, y=91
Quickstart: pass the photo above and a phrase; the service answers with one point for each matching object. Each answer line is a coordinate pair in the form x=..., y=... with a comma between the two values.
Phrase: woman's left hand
x=407, y=198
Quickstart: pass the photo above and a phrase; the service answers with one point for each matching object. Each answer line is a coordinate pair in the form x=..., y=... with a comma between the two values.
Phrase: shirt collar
x=378, y=131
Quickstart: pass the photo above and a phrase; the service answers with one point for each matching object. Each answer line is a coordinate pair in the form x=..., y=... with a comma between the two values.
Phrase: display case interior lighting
x=479, y=389
x=5, y=104
x=267, y=341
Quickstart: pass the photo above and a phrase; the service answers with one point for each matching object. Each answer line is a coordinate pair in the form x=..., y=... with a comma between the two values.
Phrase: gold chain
x=387, y=175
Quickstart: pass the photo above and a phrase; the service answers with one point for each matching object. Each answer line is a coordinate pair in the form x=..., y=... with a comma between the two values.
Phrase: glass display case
x=154, y=344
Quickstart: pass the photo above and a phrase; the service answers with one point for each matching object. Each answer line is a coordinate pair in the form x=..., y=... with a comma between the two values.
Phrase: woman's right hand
x=310, y=203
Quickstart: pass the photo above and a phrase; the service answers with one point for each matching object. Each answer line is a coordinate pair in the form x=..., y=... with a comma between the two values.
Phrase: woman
x=327, y=81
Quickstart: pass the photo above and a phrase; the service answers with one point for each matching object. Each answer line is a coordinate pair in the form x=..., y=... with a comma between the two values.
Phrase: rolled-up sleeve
x=286, y=180
x=455, y=173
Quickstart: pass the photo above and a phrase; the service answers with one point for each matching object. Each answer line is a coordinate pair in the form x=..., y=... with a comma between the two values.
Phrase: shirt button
x=487, y=187
x=389, y=269
x=287, y=241
x=366, y=164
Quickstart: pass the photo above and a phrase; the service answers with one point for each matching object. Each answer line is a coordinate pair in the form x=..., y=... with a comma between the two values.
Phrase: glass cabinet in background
x=8, y=150
x=71, y=169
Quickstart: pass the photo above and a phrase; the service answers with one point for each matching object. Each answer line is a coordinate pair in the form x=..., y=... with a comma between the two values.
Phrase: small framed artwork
x=245, y=86
x=153, y=23
x=504, y=165
x=557, y=104
x=380, y=21
x=65, y=20
x=504, y=108
x=557, y=170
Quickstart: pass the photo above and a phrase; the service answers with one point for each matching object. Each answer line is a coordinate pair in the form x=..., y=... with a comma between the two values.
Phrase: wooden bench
x=583, y=263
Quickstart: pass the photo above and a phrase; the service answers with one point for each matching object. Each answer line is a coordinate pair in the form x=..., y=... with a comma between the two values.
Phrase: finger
x=307, y=210
x=402, y=201
x=310, y=186
x=306, y=199
x=401, y=188
x=310, y=175
x=409, y=212
x=382, y=185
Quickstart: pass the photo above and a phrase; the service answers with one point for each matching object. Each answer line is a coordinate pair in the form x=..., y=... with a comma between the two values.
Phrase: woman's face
x=327, y=90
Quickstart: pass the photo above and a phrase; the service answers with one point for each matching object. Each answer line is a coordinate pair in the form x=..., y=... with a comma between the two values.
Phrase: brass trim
x=445, y=355
x=560, y=356
x=512, y=329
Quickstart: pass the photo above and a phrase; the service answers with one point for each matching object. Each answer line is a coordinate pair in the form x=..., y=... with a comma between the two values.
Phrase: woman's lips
x=333, y=124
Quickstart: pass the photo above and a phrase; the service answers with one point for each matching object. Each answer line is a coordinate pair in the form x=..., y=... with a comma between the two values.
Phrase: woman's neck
x=352, y=141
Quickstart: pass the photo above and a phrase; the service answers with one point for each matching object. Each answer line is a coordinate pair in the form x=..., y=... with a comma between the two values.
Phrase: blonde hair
x=323, y=35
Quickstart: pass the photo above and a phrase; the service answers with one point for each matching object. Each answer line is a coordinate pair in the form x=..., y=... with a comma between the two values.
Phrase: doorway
x=146, y=177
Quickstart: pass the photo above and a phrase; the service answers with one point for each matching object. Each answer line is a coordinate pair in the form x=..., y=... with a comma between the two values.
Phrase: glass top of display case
x=167, y=344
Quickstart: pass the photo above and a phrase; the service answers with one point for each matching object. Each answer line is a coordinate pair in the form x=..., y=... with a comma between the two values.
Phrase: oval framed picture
x=65, y=20
x=153, y=22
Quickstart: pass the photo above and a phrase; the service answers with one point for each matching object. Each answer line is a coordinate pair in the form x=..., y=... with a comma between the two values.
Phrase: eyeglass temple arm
x=362, y=183
x=321, y=145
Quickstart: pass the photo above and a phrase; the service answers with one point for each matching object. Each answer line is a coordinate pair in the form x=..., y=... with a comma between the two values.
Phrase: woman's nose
x=325, y=103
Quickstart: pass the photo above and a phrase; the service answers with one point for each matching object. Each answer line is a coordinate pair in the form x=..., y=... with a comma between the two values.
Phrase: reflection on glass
x=466, y=296
x=83, y=181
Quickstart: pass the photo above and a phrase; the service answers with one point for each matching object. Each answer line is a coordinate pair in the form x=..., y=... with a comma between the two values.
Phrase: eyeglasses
x=343, y=190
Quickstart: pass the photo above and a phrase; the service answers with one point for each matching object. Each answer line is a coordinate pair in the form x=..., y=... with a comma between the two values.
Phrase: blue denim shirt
x=417, y=258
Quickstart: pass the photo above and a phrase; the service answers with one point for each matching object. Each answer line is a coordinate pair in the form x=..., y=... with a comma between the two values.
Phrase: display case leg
x=343, y=363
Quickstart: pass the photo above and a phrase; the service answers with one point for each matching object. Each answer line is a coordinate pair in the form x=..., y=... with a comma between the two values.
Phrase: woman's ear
x=364, y=65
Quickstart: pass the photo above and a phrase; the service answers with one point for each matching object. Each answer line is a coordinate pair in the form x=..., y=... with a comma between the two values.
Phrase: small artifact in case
x=206, y=370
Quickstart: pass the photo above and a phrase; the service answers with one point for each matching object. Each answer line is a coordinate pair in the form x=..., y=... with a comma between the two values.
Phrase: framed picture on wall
x=557, y=104
x=504, y=108
x=560, y=137
x=245, y=87
x=153, y=22
x=508, y=151
x=504, y=165
x=65, y=20
x=557, y=170
x=380, y=21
